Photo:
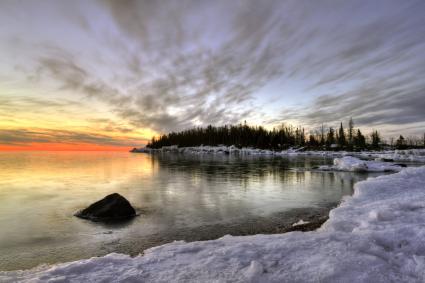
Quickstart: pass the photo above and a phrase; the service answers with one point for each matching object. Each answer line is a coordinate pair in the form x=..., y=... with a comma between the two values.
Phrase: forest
x=284, y=137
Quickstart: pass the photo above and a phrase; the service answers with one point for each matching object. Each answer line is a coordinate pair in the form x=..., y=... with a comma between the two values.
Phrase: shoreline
x=407, y=155
x=276, y=223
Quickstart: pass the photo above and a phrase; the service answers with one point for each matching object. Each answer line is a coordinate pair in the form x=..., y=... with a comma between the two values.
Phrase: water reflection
x=179, y=197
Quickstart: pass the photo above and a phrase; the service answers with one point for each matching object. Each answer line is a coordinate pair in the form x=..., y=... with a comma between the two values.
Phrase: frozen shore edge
x=376, y=235
x=411, y=155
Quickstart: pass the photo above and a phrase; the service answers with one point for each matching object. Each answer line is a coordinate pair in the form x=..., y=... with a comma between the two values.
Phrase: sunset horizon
x=62, y=147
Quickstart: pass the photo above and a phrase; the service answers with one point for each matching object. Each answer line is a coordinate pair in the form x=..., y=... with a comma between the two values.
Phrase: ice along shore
x=408, y=155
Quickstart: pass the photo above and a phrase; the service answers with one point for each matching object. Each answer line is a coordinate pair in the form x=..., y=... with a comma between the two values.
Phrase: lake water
x=178, y=197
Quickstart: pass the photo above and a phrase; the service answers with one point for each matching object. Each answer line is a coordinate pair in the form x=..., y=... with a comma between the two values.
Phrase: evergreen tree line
x=279, y=138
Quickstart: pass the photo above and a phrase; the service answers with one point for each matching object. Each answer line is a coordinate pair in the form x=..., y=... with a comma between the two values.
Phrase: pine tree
x=359, y=140
x=376, y=139
x=322, y=135
x=341, y=136
x=302, y=140
x=400, y=143
x=350, y=131
x=330, y=140
x=312, y=141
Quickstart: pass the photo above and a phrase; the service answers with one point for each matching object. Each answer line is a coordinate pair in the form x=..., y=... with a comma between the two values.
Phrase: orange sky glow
x=62, y=147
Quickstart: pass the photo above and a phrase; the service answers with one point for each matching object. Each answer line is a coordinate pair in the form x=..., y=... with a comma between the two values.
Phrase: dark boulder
x=112, y=207
x=400, y=164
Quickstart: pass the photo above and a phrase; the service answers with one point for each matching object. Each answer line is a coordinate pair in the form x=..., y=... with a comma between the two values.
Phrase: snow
x=417, y=155
x=353, y=164
x=411, y=155
x=376, y=235
x=299, y=223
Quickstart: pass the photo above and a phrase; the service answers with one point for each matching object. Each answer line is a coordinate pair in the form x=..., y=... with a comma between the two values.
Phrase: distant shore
x=406, y=155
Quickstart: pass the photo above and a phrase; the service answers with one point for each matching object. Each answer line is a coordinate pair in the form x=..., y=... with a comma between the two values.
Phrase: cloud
x=17, y=103
x=368, y=71
x=395, y=101
x=170, y=65
x=19, y=137
x=169, y=80
x=109, y=125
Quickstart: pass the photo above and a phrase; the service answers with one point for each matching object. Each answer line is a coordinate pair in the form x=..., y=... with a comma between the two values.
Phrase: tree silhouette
x=341, y=136
x=279, y=138
x=330, y=139
x=350, y=132
x=400, y=143
x=359, y=140
x=376, y=139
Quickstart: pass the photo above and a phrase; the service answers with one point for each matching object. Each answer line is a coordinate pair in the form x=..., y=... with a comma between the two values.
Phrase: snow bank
x=415, y=155
x=353, y=164
x=374, y=236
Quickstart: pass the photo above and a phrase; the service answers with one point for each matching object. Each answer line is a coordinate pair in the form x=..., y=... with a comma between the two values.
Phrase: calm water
x=178, y=197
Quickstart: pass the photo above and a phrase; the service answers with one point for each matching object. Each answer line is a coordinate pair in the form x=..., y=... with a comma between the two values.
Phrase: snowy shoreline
x=409, y=155
x=376, y=235
x=353, y=164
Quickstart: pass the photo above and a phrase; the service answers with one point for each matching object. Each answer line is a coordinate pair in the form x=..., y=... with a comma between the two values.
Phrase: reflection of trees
x=226, y=168
x=243, y=169
x=221, y=185
x=203, y=186
x=343, y=181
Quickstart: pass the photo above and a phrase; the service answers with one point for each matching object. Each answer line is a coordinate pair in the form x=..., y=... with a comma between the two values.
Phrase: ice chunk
x=349, y=163
x=300, y=222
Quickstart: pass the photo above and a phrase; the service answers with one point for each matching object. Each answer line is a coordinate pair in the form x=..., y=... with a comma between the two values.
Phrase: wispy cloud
x=21, y=137
x=17, y=103
x=172, y=78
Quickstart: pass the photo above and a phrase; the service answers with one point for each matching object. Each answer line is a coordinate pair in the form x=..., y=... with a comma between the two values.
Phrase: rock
x=142, y=150
x=400, y=164
x=112, y=207
x=384, y=159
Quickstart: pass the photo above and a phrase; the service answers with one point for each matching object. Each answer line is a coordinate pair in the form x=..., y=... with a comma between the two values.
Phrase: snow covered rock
x=406, y=155
x=299, y=223
x=374, y=236
x=112, y=207
x=349, y=163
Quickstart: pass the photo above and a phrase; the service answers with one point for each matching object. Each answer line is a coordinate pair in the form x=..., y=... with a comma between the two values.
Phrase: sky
x=109, y=75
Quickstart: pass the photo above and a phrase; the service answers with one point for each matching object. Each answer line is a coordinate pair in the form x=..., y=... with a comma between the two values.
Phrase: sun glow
x=62, y=147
